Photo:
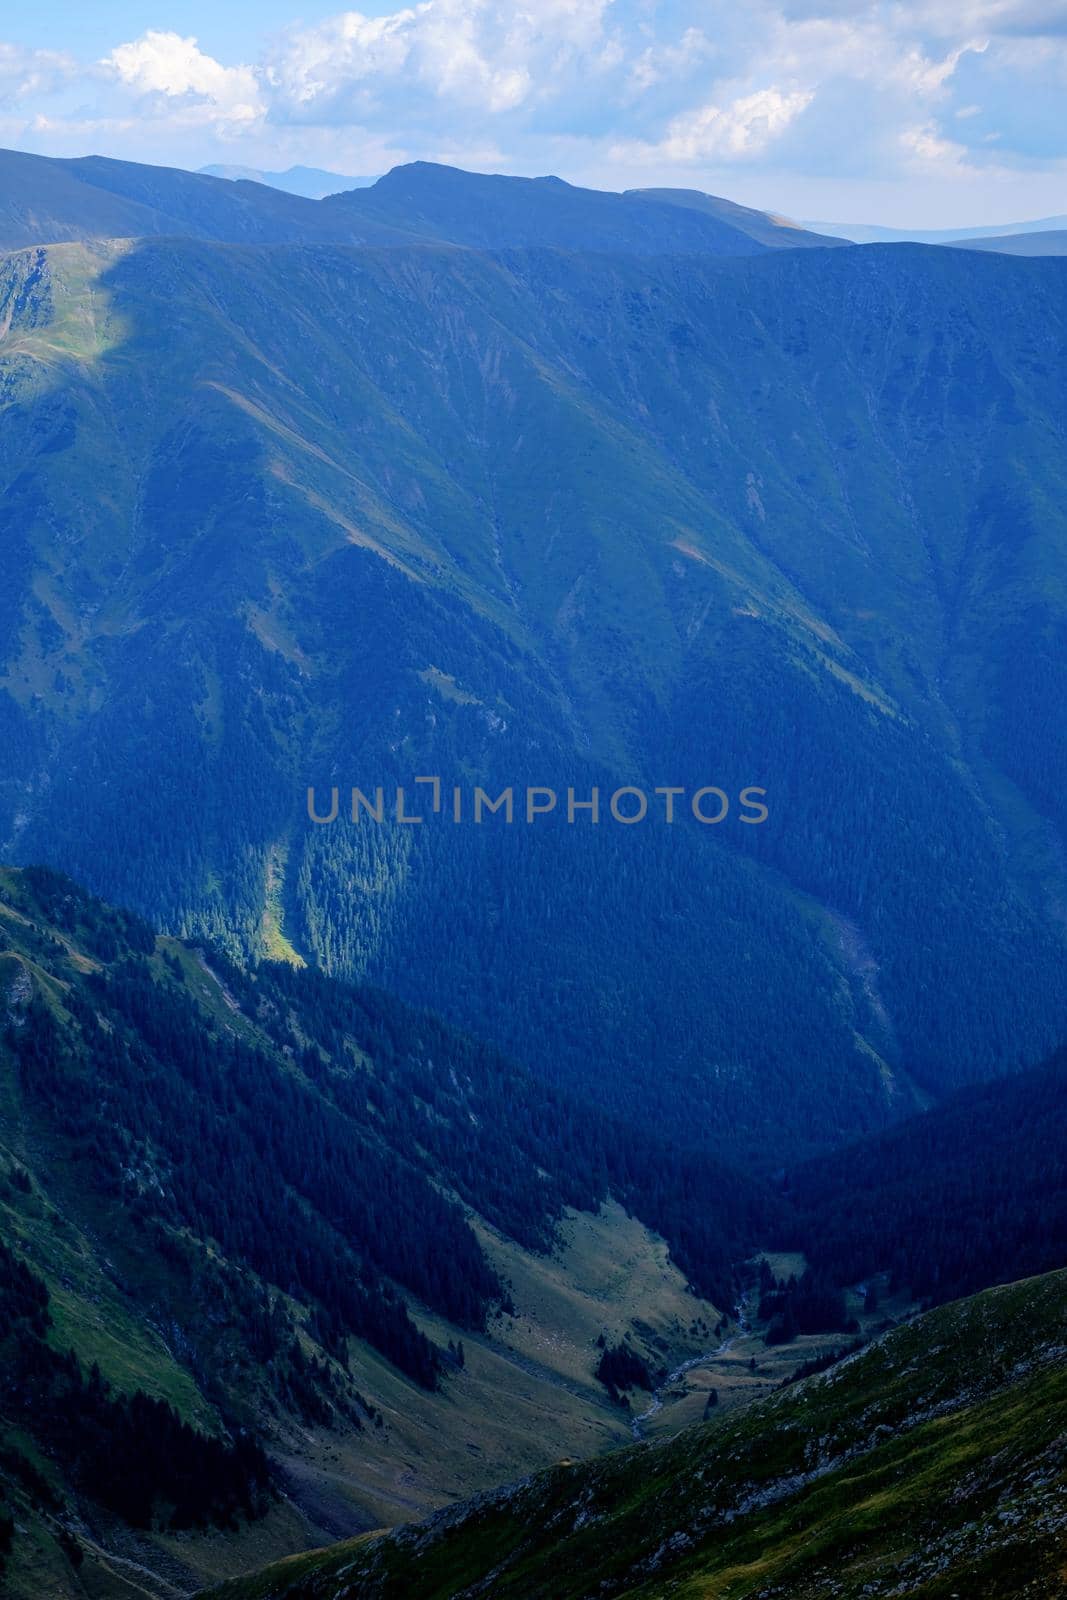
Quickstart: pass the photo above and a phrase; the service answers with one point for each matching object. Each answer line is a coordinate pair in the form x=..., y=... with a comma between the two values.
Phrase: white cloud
x=166, y=65
x=476, y=54
x=658, y=63
x=743, y=126
x=926, y=150
x=25, y=73
x=694, y=91
x=863, y=50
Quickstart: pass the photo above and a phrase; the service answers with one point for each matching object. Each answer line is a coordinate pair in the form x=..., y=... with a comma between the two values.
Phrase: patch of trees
x=809, y=1304
x=620, y=1367
x=207, y=1132
x=967, y=1195
x=320, y=1137
x=131, y=1454
x=515, y=1147
x=99, y=928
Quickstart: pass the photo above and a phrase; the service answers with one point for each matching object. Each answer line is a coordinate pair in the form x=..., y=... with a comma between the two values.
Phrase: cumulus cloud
x=693, y=89
x=480, y=56
x=171, y=67
x=925, y=148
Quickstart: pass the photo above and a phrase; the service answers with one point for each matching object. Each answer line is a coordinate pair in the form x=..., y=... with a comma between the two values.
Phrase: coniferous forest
x=661, y=1198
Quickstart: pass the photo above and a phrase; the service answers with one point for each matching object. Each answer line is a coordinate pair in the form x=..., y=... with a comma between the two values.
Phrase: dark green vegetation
x=318, y=1171
x=810, y=1304
x=132, y=1455
x=514, y=484
x=537, y=516
x=282, y=1170
x=621, y=1368
x=972, y=1193
x=932, y=1464
x=279, y=1171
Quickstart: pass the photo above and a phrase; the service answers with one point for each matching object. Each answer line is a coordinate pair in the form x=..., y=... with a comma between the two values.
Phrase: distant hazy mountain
x=1053, y=243
x=311, y=182
x=869, y=233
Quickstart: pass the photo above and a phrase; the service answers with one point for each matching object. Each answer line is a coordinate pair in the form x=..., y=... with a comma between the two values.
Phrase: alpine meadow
x=533, y=819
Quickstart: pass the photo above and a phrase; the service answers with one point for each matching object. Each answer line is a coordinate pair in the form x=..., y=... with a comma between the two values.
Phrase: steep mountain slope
x=919, y=1201
x=794, y=522
x=266, y=1210
x=763, y=226
x=494, y=212
x=933, y=1464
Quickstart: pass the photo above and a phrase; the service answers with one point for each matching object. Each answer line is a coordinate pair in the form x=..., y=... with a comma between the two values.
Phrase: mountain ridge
x=48, y=200
x=767, y=227
x=870, y=233
x=491, y=211
x=1037, y=242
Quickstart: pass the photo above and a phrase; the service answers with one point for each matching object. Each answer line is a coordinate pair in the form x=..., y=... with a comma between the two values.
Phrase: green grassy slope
x=931, y=1465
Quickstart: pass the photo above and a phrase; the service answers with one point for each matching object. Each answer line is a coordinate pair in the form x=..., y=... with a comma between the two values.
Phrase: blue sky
x=923, y=112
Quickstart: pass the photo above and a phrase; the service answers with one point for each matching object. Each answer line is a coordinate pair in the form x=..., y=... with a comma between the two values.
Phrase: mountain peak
x=497, y=211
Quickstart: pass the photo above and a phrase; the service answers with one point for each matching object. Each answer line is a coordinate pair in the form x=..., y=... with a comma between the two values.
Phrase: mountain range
x=45, y=201
x=532, y=516
x=569, y=687
x=1052, y=242
x=864, y=233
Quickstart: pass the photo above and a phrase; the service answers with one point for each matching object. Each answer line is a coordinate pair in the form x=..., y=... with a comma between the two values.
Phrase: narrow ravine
x=656, y=1404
